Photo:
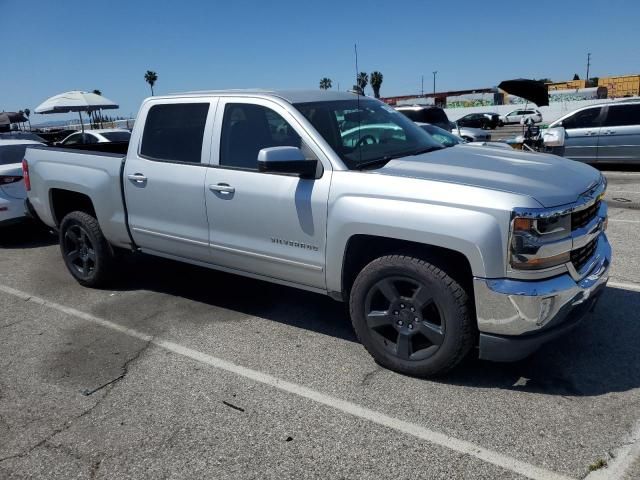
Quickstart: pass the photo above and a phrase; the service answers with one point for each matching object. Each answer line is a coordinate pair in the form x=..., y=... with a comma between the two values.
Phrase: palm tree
x=325, y=83
x=363, y=81
x=151, y=78
x=376, y=82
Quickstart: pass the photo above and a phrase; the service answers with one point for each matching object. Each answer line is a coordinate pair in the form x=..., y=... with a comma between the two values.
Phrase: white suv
x=517, y=115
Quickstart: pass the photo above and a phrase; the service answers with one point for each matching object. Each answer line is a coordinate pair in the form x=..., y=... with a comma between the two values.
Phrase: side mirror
x=553, y=137
x=286, y=161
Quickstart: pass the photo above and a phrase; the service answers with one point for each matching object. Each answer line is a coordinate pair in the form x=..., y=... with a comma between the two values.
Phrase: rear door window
x=73, y=139
x=173, y=132
x=435, y=115
x=621, y=115
x=589, y=118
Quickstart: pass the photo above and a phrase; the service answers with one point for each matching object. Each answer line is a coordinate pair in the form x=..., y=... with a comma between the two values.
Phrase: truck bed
x=96, y=175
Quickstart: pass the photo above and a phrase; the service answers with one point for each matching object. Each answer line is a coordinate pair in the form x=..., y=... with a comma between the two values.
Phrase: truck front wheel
x=85, y=250
x=411, y=316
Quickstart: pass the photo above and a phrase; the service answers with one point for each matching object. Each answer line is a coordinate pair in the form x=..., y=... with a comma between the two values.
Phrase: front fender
x=478, y=235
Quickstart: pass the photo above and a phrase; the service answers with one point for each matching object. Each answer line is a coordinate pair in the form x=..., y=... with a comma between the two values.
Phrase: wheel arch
x=64, y=201
x=361, y=249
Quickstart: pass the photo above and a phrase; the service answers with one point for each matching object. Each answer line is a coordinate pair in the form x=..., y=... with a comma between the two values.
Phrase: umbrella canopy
x=531, y=90
x=7, y=118
x=75, y=101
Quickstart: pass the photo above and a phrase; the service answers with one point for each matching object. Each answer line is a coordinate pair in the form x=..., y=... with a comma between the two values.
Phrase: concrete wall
x=549, y=114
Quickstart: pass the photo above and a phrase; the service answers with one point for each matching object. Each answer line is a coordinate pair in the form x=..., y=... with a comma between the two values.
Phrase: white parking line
x=461, y=446
x=622, y=220
x=611, y=192
x=634, y=287
x=624, y=459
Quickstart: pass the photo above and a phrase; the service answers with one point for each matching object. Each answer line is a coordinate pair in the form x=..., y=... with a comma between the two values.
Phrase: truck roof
x=291, y=96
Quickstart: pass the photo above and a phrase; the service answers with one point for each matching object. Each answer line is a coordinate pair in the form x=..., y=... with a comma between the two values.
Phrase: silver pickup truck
x=437, y=250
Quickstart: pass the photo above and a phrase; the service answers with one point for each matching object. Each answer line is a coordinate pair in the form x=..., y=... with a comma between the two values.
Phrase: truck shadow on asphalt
x=26, y=235
x=600, y=356
x=290, y=306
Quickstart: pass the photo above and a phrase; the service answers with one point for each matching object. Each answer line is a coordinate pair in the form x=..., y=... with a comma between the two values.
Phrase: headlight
x=539, y=243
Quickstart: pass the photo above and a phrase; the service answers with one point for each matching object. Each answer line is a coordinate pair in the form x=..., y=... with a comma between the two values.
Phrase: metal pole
x=422, y=85
x=588, y=65
x=434, y=82
x=81, y=124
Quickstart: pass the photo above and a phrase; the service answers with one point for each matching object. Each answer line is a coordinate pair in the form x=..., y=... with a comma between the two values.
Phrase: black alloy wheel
x=404, y=318
x=79, y=252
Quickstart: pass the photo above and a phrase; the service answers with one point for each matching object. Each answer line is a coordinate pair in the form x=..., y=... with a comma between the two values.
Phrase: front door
x=620, y=134
x=164, y=179
x=582, y=130
x=267, y=224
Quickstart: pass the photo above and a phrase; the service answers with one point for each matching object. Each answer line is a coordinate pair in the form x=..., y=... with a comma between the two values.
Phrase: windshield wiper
x=383, y=160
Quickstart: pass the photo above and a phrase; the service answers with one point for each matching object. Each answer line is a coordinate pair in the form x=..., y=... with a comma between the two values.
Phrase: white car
x=448, y=139
x=103, y=135
x=12, y=189
x=516, y=116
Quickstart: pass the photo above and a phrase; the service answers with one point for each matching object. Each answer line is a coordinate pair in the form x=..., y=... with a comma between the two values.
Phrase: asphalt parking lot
x=182, y=372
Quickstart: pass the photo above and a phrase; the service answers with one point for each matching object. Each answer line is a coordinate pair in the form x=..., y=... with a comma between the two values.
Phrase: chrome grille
x=581, y=256
x=582, y=217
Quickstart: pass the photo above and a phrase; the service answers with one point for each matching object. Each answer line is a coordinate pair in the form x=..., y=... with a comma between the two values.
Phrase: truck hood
x=549, y=179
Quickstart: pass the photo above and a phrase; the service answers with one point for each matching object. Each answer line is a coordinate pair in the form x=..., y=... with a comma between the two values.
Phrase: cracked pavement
x=81, y=401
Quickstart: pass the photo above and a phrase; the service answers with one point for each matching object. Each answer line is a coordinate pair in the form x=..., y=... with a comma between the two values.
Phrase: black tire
x=85, y=251
x=441, y=332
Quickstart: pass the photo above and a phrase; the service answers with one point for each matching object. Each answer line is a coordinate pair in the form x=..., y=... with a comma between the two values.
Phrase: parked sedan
x=447, y=139
x=104, y=135
x=471, y=134
x=480, y=120
x=12, y=190
x=516, y=116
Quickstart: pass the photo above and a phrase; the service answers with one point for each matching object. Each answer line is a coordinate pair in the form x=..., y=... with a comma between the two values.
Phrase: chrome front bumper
x=517, y=312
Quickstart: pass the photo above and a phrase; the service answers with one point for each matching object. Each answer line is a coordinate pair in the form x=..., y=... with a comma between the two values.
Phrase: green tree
x=325, y=83
x=376, y=82
x=363, y=81
x=576, y=76
x=592, y=82
x=151, y=78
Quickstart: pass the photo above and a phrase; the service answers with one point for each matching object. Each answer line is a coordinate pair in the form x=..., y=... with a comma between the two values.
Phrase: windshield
x=441, y=135
x=366, y=131
x=117, y=136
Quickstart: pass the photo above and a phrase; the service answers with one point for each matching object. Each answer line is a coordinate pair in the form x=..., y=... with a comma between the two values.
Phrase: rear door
x=620, y=134
x=164, y=178
x=267, y=224
x=582, y=130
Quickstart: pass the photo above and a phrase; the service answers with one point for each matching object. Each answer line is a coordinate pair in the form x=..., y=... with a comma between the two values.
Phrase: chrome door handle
x=222, y=188
x=610, y=132
x=137, y=177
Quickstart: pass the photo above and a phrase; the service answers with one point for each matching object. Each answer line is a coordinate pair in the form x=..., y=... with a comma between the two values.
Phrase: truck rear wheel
x=411, y=316
x=85, y=250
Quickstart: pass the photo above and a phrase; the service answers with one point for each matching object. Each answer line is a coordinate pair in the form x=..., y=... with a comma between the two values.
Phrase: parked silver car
x=516, y=116
x=606, y=133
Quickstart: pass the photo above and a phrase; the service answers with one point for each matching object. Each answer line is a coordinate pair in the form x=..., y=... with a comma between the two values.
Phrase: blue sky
x=50, y=47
